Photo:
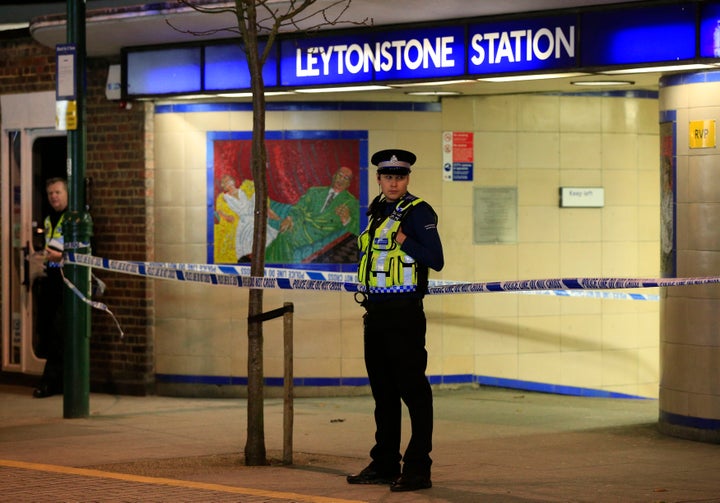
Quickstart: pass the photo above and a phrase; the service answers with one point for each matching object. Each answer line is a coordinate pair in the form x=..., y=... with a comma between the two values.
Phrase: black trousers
x=51, y=329
x=396, y=360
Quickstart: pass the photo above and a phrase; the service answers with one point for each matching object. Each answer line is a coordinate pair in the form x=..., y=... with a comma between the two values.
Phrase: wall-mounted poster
x=317, y=188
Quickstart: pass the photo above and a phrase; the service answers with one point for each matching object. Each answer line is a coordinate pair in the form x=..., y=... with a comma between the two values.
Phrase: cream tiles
x=620, y=370
x=496, y=262
x=535, y=143
x=580, y=225
x=647, y=117
x=649, y=189
x=581, y=178
x=317, y=367
x=620, y=187
x=496, y=113
x=538, y=224
x=311, y=120
x=538, y=150
x=242, y=121
x=581, y=369
x=496, y=177
x=538, y=187
x=169, y=158
x=207, y=121
x=540, y=367
x=702, y=95
x=502, y=366
x=458, y=336
x=580, y=151
x=495, y=150
x=538, y=113
x=619, y=152
x=170, y=187
x=501, y=305
x=619, y=331
x=580, y=260
x=317, y=339
x=648, y=147
x=619, y=259
x=192, y=365
x=581, y=333
x=457, y=115
x=496, y=336
x=539, y=334
x=170, y=224
x=620, y=115
x=538, y=305
x=459, y=306
x=581, y=114
x=620, y=223
x=702, y=178
x=538, y=260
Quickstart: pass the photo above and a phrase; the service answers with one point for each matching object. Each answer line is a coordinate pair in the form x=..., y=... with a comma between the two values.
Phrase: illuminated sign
x=431, y=53
x=539, y=44
x=710, y=30
x=638, y=35
x=570, y=41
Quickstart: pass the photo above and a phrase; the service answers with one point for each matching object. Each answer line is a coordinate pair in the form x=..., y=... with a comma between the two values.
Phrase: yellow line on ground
x=69, y=470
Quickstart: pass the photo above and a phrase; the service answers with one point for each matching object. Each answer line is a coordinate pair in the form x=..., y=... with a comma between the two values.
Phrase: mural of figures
x=234, y=208
x=667, y=201
x=314, y=193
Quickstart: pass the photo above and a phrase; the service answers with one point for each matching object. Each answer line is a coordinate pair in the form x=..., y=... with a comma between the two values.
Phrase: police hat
x=393, y=161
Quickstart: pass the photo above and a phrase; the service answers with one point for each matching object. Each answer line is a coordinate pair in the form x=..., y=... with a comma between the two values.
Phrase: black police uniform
x=395, y=355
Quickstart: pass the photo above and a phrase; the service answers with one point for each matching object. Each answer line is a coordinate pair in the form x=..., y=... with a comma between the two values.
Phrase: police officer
x=398, y=247
x=51, y=325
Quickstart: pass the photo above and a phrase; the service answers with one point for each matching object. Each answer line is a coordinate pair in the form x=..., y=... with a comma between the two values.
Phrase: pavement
x=490, y=445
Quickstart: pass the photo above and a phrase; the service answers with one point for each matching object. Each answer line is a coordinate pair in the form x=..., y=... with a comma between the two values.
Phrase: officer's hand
x=400, y=236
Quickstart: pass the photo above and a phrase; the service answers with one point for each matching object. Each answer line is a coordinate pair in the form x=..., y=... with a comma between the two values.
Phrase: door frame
x=33, y=116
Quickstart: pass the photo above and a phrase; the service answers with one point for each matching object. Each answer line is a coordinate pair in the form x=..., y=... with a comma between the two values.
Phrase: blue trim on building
x=689, y=421
x=301, y=106
x=496, y=382
x=697, y=77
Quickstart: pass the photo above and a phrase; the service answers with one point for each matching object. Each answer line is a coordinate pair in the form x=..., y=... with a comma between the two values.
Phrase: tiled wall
x=689, y=342
x=536, y=143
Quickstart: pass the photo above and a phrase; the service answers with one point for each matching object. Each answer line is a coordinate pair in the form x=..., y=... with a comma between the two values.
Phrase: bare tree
x=259, y=20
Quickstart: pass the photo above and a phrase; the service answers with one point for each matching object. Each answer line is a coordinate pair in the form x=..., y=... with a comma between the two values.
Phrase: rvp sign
x=701, y=134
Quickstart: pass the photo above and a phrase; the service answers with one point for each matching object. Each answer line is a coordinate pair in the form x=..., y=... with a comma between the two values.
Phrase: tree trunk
x=255, y=453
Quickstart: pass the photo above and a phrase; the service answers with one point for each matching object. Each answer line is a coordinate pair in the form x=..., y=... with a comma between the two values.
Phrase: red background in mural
x=293, y=165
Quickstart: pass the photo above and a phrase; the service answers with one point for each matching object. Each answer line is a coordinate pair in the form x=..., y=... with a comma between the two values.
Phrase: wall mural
x=316, y=182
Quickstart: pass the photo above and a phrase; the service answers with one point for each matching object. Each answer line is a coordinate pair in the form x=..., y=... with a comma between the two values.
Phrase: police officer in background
x=398, y=247
x=51, y=320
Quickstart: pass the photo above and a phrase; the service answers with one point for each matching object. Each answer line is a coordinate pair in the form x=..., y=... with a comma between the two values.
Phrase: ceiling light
x=601, y=83
x=436, y=83
x=249, y=94
x=433, y=93
x=651, y=69
x=534, y=76
x=340, y=89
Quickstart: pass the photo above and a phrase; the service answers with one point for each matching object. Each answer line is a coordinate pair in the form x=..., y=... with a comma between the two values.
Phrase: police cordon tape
x=296, y=279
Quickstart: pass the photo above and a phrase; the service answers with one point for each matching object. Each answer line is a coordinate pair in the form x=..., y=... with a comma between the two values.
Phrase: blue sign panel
x=710, y=31
x=226, y=68
x=407, y=54
x=523, y=45
x=638, y=35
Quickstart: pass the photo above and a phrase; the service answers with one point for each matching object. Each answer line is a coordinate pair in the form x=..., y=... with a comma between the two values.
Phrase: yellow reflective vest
x=384, y=267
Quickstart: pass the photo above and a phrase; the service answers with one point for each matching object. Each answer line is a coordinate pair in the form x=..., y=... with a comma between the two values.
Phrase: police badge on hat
x=393, y=161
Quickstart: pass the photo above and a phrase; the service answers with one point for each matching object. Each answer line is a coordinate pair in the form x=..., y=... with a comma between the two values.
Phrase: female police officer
x=398, y=247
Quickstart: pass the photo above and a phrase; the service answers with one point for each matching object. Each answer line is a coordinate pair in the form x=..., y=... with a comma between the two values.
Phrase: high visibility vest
x=384, y=267
x=54, y=236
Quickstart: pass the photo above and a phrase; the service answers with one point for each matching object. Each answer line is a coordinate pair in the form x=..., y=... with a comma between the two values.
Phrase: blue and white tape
x=296, y=279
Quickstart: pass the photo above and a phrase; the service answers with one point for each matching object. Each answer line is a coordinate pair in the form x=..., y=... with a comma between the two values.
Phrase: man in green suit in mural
x=321, y=216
